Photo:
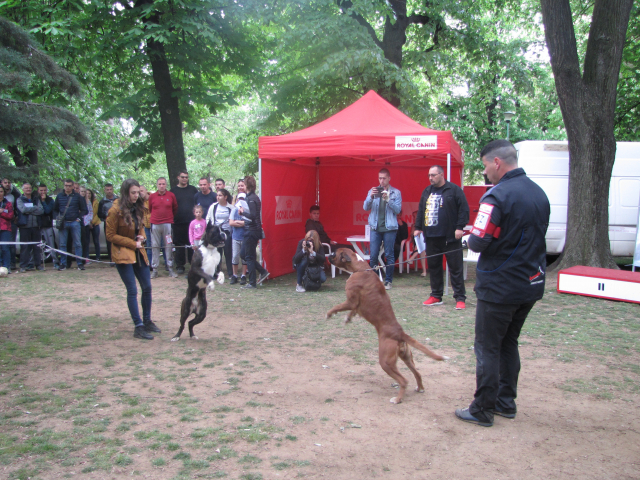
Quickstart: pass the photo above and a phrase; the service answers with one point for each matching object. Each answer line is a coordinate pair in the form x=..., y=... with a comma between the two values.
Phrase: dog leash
x=378, y=267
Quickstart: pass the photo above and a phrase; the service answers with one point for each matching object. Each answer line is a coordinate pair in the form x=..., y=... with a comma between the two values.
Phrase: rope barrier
x=379, y=267
x=48, y=249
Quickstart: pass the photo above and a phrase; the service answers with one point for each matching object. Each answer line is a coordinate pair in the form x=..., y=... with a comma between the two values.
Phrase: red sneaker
x=460, y=306
x=432, y=301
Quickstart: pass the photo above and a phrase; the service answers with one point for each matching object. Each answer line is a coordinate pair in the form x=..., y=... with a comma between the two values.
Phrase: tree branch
x=346, y=5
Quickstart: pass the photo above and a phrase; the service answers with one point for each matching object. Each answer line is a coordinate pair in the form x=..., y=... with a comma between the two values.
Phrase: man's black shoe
x=149, y=326
x=62, y=267
x=166, y=267
x=140, y=332
x=506, y=413
x=80, y=267
x=180, y=270
x=233, y=280
x=248, y=285
x=243, y=280
x=464, y=415
x=263, y=277
x=30, y=268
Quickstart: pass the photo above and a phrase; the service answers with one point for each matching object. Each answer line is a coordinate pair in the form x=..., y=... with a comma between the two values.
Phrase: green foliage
x=34, y=96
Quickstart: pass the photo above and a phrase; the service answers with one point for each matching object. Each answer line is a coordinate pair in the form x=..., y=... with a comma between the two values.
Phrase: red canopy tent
x=334, y=164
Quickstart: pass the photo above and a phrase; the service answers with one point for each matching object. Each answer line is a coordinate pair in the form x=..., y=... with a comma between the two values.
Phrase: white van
x=547, y=164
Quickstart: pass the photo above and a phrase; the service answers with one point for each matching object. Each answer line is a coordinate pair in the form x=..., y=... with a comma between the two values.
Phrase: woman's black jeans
x=128, y=273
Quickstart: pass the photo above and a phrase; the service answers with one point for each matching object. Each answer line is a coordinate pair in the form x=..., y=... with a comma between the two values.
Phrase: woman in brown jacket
x=125, y=231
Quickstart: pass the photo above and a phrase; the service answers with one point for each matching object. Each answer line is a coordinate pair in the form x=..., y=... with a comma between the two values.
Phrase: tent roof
x=365, y=130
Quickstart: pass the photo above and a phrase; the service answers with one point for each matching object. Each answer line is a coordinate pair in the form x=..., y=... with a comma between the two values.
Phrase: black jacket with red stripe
x=512, y=265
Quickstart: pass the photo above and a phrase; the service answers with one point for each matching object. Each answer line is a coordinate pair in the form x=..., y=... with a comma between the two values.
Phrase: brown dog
x=367, y=297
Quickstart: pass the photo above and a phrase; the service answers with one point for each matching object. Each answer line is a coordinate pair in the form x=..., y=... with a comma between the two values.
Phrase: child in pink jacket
x=197, y=227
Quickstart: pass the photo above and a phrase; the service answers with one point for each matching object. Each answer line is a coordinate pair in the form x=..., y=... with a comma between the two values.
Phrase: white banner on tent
x=417, y=142
x=288, y=210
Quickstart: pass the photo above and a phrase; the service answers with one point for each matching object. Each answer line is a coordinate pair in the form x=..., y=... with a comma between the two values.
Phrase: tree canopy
x=34, y=94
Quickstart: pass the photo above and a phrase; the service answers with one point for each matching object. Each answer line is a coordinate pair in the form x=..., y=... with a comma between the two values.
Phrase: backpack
x=106, y=206
x=311, y=280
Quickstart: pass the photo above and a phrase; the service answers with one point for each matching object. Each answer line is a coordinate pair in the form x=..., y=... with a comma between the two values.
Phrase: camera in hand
x=306, y=244
x=377, y=191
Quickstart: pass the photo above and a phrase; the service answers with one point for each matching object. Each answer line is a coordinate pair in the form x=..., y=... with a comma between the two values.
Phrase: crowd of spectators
x=174, y=222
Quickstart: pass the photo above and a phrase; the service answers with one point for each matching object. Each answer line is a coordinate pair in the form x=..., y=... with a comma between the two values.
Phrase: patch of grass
x=293, y=438
x=251, y=476
x=297, y=420
x=223, y=454
x=196, y=464
x=123, y=460
x=281, y=465
x=249, y=459
x=182, y=456
x=158, y=462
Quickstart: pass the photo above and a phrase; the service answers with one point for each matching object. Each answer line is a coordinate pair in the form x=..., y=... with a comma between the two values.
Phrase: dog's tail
x=416, y=344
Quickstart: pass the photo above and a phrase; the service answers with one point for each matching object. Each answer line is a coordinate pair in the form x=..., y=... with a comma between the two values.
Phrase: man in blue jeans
x=72, y=207
x=383, y=203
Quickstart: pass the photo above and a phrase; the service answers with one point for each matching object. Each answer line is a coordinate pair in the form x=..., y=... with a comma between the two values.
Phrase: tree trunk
x=171, y=123
x=587, y=103
x=393, y=40
x=168, y=104
x=28, y=162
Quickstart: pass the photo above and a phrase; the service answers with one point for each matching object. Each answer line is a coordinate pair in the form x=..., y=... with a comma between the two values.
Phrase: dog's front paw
x=419, y=390
x=395, y=400
x=221, y=278
x=211, y=286
x=175, y=339
x=193, y=337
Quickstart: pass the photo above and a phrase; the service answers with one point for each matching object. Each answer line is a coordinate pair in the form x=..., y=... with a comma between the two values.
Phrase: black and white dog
x=203, y=268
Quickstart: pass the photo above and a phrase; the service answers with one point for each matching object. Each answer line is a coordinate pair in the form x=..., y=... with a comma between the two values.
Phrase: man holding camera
x=383, y=203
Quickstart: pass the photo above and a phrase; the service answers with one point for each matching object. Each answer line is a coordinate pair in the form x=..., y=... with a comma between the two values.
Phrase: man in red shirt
x=162, y=208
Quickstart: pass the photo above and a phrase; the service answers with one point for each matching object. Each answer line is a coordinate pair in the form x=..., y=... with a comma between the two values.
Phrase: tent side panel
x=287, y=192
x=344, y=189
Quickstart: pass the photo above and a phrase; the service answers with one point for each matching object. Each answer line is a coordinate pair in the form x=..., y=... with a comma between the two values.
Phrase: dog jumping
x=203, y=267
x=367, y=297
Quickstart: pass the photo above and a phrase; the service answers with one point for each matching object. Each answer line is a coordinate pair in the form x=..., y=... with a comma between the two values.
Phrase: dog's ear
x=344, y=257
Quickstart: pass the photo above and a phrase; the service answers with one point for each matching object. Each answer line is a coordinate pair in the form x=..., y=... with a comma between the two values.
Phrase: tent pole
x=446, y=278
x=317, y=184
x=260, y=190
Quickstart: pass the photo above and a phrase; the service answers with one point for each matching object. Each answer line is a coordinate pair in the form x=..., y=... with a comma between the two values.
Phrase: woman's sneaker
x=300, y=289
x=141, y=332
x=233, y=280
x=243, y=280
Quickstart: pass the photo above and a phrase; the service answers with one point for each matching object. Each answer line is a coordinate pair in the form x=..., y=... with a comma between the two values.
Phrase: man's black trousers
x=455, y=261
x=180, y=239
x=497, y=358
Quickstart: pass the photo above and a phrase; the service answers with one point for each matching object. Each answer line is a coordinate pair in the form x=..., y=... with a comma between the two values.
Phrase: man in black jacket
x=71, y=206
x=510, y=232
x=443, y=212
x=185, y=196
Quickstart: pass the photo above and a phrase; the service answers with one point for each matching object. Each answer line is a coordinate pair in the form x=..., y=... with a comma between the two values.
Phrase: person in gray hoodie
x=29, y=222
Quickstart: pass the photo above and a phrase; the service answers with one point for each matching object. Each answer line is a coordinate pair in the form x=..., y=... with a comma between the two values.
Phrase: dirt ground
x=272, y=390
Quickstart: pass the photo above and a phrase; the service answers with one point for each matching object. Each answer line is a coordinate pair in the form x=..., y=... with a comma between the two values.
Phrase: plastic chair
x=472, y=257
x=333, y=267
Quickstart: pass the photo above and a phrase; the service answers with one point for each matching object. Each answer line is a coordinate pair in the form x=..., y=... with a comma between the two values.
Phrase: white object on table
x=355, y=241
